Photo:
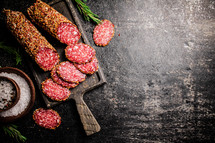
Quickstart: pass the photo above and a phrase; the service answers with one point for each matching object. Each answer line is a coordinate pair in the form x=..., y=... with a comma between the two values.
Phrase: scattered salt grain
x=25, y=95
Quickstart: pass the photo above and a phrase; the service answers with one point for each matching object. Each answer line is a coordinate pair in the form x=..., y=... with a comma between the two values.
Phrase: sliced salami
x=103, y=33
x=68, y=72
x=80, y=53
x=55, y=91
x=47, y=118
x=88, y=68
x=54, y=22
x=60, y=81
x=68, y=33
x=46, y=58
x=31, y=39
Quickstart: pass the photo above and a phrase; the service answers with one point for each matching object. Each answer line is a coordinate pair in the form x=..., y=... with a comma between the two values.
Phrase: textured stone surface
x=159, y=69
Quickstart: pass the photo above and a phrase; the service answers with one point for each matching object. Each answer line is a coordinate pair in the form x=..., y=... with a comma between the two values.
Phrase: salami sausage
x=47, y=118
x=60, y=81
x=80, y=53
x=68, y=72
x=55, y=91
x=54, y=22
x=103, y=33
x=30, y=38
x=88, y=68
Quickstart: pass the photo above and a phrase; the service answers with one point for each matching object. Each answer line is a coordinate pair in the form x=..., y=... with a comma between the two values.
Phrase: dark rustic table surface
x=160, y=72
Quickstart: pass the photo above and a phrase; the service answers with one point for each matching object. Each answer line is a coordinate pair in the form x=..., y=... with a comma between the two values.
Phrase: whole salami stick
x=54, y=22
x=30, y=38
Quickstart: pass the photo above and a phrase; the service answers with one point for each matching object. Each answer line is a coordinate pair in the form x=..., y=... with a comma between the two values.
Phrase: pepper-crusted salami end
x=103, y=33
x=54, y=22
x=88, y=68
x=60, y=81
x=47, y=118
x=55, y=91
x=80, y=53
x=30, y=38
x=68, y=72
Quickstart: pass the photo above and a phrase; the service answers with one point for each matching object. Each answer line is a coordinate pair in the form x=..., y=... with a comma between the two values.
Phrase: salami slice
x=80, y=53
x=30, y=38
x=68, y=33
x=47, y=118
x=46, y=58
x=103, y=33
x=54, y=22
x=55, y=91
x=88, y=68
x=60, y=81
x=68, y=72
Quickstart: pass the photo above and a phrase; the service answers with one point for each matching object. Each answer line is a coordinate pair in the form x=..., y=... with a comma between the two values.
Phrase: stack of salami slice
x=69, y=74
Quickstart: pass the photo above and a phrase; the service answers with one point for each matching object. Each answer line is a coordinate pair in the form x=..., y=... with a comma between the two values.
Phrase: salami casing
x=54, y=22
x=55, y=91
x=30, y=38
x=103, y=33
x=79, y=53
x=88, y=68
x=68, y=72
x=47, y=118
x=60, y=81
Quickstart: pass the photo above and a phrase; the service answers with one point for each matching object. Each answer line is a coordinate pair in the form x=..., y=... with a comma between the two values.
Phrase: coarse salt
x=7, y=93
x=25, y=95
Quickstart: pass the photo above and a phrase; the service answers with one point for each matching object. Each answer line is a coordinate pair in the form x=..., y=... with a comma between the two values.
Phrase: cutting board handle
x=89, y=122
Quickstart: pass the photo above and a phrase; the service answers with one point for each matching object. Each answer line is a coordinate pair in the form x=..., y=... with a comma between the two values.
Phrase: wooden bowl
x=32, y=91
x=16, y=95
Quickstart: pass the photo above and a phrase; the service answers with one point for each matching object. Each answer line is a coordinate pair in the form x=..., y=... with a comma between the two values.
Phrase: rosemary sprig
x=12, y=131
x=86, y=12
x=11, y=50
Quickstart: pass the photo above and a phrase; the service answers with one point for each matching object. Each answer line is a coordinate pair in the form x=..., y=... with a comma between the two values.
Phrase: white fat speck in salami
x=103, y=33
x=47, y=118
x=68, y=72
x=80, y=53
x=54, y=90
x=46, y=58
x=60, y=81
x=68, y=33
x=88, y=68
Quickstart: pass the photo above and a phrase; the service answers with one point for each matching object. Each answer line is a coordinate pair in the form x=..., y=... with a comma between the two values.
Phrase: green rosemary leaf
x=86, y=12
x=11, y=50
x=79, y=9
x=14, y=126
x=11, y=130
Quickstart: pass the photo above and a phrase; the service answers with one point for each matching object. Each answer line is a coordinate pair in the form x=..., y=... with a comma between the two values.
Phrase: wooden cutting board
x=90, y=124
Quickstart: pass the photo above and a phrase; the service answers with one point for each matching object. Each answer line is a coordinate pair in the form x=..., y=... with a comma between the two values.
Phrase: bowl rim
x=17, y=89
x=32, y=90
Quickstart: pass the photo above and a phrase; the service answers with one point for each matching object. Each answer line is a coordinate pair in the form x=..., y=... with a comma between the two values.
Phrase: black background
x=159, y=68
